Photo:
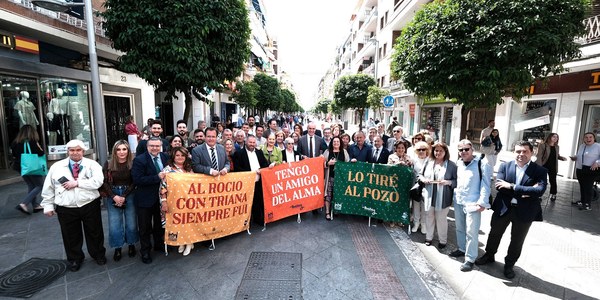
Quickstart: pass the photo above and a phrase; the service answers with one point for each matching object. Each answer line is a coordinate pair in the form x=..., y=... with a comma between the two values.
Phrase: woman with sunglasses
x=439, y=177
x=118, y=188
x=422, y=150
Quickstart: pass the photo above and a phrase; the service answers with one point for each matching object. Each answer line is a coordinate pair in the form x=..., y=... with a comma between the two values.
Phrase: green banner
x=373, y=190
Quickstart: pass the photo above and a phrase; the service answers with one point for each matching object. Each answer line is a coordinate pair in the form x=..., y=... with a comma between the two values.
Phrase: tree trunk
x=361, y=113
x=188, y=108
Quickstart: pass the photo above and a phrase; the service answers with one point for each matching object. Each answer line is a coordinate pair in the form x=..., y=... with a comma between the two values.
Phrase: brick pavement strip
x=382, y=279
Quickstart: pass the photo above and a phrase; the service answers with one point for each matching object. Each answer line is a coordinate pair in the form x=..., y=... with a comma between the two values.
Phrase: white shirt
x=254, y=164
x=311, y=143
x=210, y=154
x=376, y=153
x=520, y=173
x=290, y=156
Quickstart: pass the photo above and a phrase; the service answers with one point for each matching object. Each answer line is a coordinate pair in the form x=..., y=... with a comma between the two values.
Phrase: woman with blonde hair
x=118, y=188
x=422, y=150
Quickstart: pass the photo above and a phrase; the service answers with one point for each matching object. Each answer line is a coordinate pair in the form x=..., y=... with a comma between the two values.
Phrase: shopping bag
x=33, y=164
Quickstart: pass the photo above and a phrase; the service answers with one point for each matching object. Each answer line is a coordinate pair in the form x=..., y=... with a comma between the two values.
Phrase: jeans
x=467, y=231
x=122, y=222
x=34, y=187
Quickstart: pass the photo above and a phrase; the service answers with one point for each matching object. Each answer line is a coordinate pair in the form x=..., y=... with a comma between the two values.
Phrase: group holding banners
x=204, y=207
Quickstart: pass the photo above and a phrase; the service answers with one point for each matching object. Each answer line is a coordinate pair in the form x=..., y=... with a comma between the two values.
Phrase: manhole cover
x=272, y=275
x=30, y=277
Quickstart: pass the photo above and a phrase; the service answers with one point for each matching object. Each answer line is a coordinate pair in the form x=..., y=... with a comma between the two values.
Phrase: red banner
x=293, y=188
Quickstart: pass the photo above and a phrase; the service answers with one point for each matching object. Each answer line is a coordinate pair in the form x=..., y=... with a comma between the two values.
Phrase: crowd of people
x=133, y=180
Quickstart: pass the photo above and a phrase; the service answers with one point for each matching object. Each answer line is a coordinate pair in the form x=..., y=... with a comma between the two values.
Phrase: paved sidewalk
x=560, y=258
x=342, y=259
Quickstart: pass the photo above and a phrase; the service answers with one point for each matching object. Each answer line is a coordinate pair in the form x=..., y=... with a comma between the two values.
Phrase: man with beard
x=184, y=133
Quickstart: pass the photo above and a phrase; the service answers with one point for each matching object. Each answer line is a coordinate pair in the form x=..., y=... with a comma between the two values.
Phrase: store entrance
x=117, y=108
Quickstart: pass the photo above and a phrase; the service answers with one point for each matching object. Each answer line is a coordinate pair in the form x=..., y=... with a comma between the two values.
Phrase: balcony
x=592, y=28
x=63, y=17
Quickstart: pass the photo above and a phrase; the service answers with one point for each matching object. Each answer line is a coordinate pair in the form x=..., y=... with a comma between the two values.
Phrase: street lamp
x=65, y=6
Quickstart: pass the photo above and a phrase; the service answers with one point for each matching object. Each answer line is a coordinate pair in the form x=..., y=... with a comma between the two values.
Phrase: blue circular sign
x=388, y=101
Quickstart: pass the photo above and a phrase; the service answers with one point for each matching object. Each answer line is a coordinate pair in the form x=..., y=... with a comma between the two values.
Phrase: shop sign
x=438, y=100
x=411, y=109
x=19, y=43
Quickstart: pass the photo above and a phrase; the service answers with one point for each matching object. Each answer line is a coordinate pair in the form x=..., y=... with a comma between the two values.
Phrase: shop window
x=66, y=113
x=531, y=121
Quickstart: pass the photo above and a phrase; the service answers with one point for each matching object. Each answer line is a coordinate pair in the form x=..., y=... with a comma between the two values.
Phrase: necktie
x=376, y=153
x=156, y=165
x=213, y=159
x=75, y=170
x=310, y=147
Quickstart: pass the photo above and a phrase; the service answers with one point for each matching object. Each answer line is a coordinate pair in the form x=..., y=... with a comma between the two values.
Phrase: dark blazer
x=284, y=156
x=202, y=162
x=146, y=179
x=303, y=147
x=385, y=139
x=383, y=156
x=528, y=196
x=242, y=163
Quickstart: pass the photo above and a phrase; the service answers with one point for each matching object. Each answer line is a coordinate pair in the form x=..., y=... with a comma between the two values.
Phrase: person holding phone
x=71, y=192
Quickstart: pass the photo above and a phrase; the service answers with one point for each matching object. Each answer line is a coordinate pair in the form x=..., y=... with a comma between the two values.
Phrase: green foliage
x=180, y=45
x=288, y=102
x=245, y=94
x=351, y=92
x=322, y=106
x=269, y=92
x=375, y=97
x=478, y=51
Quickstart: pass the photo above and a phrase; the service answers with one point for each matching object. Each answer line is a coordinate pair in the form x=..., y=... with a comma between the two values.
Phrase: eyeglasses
x=464, y=149
x=396, y=130
x=420, y=150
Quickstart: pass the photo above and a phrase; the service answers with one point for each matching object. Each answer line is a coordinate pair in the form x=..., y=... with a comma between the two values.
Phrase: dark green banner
x=373, y=190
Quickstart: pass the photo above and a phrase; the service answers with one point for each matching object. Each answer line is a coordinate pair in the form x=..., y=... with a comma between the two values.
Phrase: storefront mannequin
x=26, y=111
x=57, y=119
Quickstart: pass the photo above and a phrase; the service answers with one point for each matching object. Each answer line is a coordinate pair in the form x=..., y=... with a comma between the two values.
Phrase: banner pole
x=212, y=245
x=248, y=231
x=299, y=219
x=166, y=252
x=369, y=221
x=264, y=227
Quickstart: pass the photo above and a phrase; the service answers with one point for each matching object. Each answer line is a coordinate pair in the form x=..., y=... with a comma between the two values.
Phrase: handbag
x=32, y=164
x=416, y=191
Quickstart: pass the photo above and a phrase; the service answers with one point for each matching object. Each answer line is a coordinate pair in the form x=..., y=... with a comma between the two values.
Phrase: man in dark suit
x=310, y=145
x=210, y=158
x=156, y=130
x=520, y=186
x=380, y=153
x=251, y=159
x=381, y=132
x=147, y=175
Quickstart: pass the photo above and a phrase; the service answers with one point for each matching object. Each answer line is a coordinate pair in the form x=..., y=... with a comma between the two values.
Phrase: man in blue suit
x=147, y=175
x=203, y=155
x=520, y=186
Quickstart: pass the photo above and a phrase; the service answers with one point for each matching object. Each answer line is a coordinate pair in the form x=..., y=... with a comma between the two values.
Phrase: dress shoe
x=131, y=252
x=117, y=256
x=427, y=243
x=146, y=258
x=188, y=249
x=101, y=261
x=74, y=266
x=441, y=246
x=485, y=259
x=467, y=266
x=456, y=253
x=552, y=198
x=181, y=249
x=509, y=272
x=38, y=209
x=22, y=208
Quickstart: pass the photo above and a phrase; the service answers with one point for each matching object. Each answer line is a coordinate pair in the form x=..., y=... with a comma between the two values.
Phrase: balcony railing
x=592, y=29
x=64, y=17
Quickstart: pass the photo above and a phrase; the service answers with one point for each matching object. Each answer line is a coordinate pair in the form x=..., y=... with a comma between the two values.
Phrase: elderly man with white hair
x=398, y=133
x=71, y=192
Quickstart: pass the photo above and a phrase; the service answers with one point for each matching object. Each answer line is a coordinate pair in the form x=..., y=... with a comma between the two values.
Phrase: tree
x=180, y=46
x=351, y=91
x=375, y=98
x=478, y=51
x=245, y=94
x=322, y=107
x=269, y=92
x=288, y=101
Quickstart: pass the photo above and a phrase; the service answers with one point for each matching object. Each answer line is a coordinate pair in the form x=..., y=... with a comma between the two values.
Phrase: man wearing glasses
x=520, y=186
x=471, y=197
x=398, y=132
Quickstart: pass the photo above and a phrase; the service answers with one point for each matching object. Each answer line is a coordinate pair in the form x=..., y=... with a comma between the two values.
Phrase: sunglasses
x=464, y=149
x=420, y=150
x=396, y=130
